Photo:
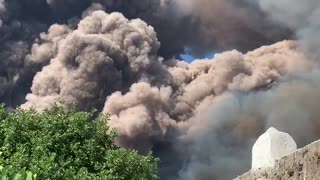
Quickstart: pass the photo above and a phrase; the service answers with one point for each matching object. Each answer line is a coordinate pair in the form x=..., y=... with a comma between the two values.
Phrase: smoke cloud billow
x=179, y=26
x=203, y=26
x=236, y=120
x=96, y=59
x=200, y=118
x=300, y=16
x=228, y=24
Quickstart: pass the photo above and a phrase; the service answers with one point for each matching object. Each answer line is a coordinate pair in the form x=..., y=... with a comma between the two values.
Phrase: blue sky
x=189, y=58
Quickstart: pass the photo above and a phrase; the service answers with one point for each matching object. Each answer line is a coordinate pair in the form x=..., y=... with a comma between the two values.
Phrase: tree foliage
x=26, y=175
x=56, y=144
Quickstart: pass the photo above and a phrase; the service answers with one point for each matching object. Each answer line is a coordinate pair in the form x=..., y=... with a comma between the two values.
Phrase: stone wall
x=304, y=164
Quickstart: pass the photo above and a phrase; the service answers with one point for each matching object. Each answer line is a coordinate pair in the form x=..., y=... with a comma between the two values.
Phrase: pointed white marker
x=270, y=146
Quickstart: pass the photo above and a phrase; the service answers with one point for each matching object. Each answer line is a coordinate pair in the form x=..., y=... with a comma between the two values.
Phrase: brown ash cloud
x=200, y=118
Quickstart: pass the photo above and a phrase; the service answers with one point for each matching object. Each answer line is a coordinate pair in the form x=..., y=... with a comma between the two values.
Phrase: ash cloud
x=103, y=54
x=200, y=118
x=21, y=23
x=223, y=138
x=203, y=25
x=178, y=25
x=227, y=24
x=16, y=37
x=300, y=16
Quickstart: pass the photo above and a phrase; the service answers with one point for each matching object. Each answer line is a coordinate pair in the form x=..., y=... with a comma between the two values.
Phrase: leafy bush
x=56, y=144
x=19, y=176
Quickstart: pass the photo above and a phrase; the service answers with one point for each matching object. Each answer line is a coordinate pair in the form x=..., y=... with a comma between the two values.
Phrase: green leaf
x=29, y=176
x=17, y=176
x=4, y=177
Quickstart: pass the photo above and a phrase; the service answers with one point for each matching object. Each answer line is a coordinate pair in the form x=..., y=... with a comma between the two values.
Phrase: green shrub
x=19, y=176
x=60, y=145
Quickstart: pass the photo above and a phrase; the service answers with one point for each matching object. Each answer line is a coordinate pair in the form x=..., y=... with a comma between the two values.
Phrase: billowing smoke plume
x=101, y=56
x=21, y=22
x=203, y=25
x=179, y=25
x=228, y=24
x=16, y=37
x=200, y=118
x=302, y=17
x=222, y=137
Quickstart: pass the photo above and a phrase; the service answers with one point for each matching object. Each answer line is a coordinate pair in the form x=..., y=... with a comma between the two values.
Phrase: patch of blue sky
x=189, y=57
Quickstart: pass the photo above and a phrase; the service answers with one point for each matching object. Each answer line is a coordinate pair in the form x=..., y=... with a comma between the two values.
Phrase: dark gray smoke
x=22, y=47
x=300, y=16
x=200, y=118
x=203, y=25
x=16, y=37
x=179, y=26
